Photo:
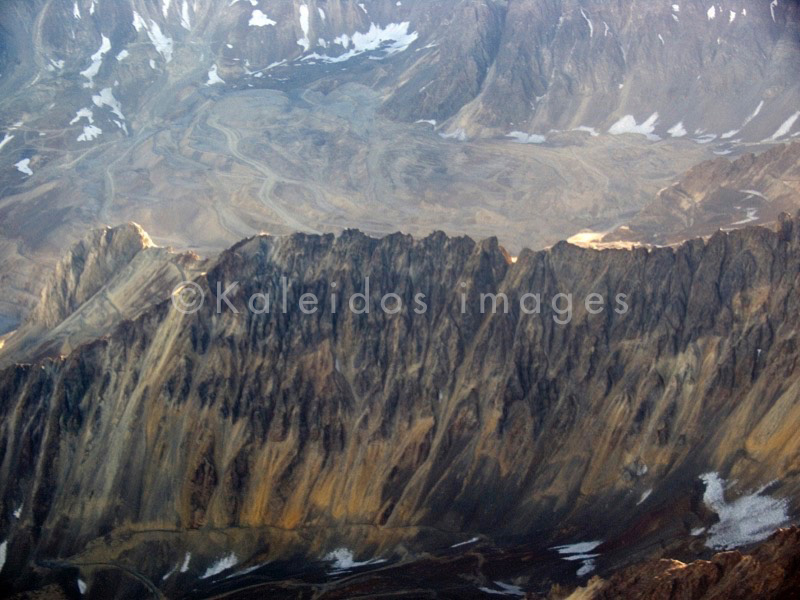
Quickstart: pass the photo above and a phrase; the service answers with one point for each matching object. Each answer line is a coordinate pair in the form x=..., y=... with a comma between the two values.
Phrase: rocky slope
x=719, y=194
x=771, y=571
x=183, y=445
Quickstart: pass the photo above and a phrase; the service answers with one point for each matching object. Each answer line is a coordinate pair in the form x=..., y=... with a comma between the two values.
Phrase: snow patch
x=223, y=564
x=711, y=13
x=165, y=7
x=580, y=551
x=97, y=61
x=304, y=41
x=748, y=519
x=82, y=587
x=786, y=127
x=698, y=531
x=185, y=565
x=755, y=193
x=732, y=16
x=162, y=43
x=587, y=567
x=752, y=215
x=123, y=54
x=676, y=8
x=392, y=39
x=106, y=98
x=506, y=589
x=170, y=573
x=520, y=137
x=588, y=22
x=627, y=124
x=729, y=134
x=772, y=6
x=76, y=11
x=578, y=548
x=469, y=541
x=3, y=554
x=23, y=166
x=18, y=512
x=260, y=19
x=90, y=132
x=342, y=560
x=705, y=139
x=363, y=7
x=7, y=138
x=186, y=22
x=244, y=572
x=645, y=496
x=677, y=130
x=321, y=14
x=754, y=115
x=661, y=39
x=213, y=77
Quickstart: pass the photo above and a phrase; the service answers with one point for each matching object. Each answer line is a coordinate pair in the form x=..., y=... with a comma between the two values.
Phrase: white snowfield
x=391, y=39
x=786, y=127
x=23, y=166
x=97, y=61
x=162, y=43
x=748, y=519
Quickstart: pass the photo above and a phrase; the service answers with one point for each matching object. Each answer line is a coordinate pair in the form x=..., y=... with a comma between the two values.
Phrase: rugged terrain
x=771, y=571
x=718, y=194
x=182, y=446
x=210, y=121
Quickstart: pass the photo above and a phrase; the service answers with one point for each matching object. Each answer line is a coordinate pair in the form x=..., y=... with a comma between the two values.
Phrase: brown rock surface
x=770, y=572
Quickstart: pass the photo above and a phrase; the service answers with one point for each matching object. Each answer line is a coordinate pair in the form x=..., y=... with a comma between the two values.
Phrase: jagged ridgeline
x=283, y=433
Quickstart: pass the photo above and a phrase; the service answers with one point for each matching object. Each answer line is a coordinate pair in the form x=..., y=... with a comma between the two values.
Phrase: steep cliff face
x=265, y=435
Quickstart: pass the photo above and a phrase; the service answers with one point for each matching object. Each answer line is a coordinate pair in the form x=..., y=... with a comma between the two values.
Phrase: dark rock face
x=287, y=432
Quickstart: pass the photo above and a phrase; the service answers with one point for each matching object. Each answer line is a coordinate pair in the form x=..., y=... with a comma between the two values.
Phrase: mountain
x=211, y=121
x=181, y=451
x=112, y=275
x=719, y=194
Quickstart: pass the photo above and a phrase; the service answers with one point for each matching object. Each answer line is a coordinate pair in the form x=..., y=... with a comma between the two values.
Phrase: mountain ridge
x=282, y=429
